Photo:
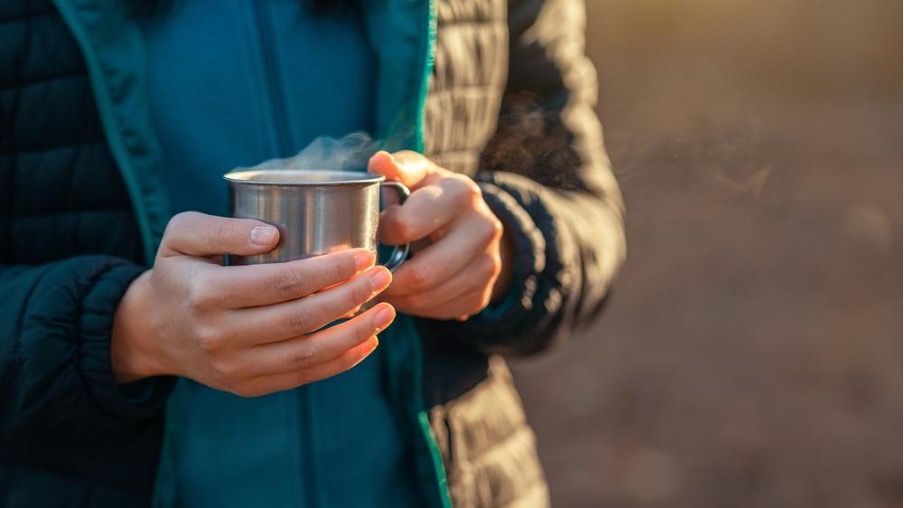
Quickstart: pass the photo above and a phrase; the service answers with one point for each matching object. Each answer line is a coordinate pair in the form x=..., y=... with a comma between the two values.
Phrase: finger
x=261, y=325
x=440, y=261
x=267, y=284
x=407, y=167
x=285, y=381
x=306, y=352
x=428, y=210
x=460, y=308
x=200, y=235
x=473, y=283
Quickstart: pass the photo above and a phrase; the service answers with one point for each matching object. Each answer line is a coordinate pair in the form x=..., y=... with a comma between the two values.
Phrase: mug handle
x=399, y=252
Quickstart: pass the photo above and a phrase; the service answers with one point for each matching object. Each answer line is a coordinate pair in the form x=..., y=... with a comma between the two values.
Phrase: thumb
x=200, y=235
x=407, y=167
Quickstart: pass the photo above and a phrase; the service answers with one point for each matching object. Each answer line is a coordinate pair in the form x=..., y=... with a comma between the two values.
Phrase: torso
x=254, y=81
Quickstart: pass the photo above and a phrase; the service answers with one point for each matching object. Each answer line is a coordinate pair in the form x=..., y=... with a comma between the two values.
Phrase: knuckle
x=228, y=371
x=363, y=331
x=346, y=363
x=304, y=357
x=182, y=220
x=403, y=304
x=473, y=190
x=230, y=233
x=175, y=223
x=403, y=227
x=200, y=296
x=495, y=270
x=289, y=283
x=300, y=321
x=488, y=230
x=478, y=304
x=490, y=268
x=227, y=386
x=466, y=188
x=498, y=228
x=344, y=269
x=361, y=291
x=336, y=272
x=195, y=302
x=301, y=378
x=247, y=389
x=208, y=339
x=485, y=298
x=224, y=232
x=421, y=276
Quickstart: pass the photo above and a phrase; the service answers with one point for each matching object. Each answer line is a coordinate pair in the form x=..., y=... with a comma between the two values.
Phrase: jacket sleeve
x=55, y=373
x=546, y=175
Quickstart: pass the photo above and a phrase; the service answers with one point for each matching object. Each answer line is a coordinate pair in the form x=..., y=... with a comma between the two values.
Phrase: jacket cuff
x=528, y=264
x=528, y=247
x=128, y=402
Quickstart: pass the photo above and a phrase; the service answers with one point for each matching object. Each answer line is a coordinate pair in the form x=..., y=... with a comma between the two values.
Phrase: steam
x=737, y=154
x=349, y=153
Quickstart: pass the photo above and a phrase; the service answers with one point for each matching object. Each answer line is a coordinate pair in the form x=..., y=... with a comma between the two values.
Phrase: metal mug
x=316, y=212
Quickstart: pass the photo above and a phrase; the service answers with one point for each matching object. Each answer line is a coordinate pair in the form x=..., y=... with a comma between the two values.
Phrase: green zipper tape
x=429, y=60
x=429, y=49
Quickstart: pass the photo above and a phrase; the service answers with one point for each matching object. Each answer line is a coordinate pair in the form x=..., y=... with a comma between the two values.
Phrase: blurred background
x=751, y=352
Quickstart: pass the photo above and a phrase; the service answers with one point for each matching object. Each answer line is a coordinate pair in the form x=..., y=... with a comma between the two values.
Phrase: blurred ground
x=751, y=354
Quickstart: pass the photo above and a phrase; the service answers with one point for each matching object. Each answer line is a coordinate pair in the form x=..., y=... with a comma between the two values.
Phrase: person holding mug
x=138, y=368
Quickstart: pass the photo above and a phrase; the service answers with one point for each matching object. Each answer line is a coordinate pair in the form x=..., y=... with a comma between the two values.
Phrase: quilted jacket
x=509, y=100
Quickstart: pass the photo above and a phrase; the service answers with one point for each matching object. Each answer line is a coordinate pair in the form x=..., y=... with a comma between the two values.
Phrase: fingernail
x=263, y=235
x=379, y=153
x=379, y=279
x=364, y=261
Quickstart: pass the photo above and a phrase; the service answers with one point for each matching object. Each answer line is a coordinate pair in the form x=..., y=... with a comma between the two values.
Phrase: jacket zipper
x=306, y=402
x=423, y=420
x=308, y=417
x=271, y=77
x=429, y=50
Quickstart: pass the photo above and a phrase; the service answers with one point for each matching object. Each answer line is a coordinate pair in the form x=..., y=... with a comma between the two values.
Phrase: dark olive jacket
x=505, y=94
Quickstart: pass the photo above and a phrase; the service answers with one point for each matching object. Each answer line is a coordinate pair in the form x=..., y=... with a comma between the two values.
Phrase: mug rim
x=244, y=176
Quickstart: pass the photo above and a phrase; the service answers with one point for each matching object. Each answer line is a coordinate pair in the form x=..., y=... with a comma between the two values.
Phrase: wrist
x=131, y=353
x=504, y=282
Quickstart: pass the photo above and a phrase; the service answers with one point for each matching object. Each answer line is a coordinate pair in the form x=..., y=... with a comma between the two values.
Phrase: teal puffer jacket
x=82, y=209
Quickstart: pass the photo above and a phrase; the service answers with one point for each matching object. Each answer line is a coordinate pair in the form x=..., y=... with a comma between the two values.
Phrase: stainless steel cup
x=317, y=212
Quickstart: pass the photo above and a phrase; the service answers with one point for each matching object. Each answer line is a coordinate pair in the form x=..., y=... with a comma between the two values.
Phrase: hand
x=250, y=330
x=465, y=262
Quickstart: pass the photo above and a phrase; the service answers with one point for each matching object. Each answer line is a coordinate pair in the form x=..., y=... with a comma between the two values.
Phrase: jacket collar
x=114, y=52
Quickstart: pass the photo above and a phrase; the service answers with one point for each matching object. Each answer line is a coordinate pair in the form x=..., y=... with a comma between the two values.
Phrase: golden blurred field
x=751, y=353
